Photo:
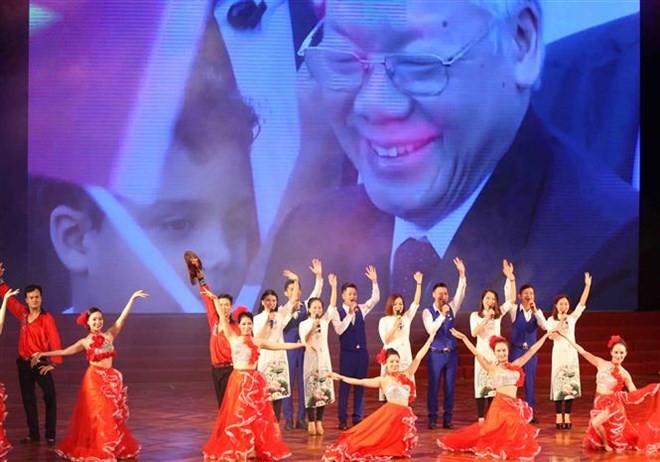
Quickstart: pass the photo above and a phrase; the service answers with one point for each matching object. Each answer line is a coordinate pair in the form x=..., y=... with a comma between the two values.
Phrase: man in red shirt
x=38, y=333
x=220, y=350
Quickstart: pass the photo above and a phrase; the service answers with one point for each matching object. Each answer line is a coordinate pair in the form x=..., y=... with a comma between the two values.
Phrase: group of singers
x=258, y=359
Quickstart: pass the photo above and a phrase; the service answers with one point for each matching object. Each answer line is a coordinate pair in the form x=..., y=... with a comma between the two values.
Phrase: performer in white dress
x=394, y=327
x=319, y=387
x=565, y=379
x=269, y=325
x=485, y=323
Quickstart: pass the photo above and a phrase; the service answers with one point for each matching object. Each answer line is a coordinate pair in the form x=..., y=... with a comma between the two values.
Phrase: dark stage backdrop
x=139, y=130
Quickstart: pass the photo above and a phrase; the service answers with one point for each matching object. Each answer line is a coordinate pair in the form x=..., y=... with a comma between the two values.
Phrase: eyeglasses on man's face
x=415, y=74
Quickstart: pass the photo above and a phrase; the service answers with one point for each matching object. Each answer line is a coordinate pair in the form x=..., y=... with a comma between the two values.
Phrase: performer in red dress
x=506, y=431
x=97, y=431
x=390, y=431
x=621, y=420
x=5, y=446
x=246, y=425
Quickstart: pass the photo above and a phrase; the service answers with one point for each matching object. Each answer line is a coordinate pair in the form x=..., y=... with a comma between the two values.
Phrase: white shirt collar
x=439, y=235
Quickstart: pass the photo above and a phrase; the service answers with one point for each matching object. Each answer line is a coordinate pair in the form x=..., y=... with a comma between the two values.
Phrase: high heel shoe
x=319, y=428
x=559, y=425
x=194, y=265
x=311, y=428
x=568, y=426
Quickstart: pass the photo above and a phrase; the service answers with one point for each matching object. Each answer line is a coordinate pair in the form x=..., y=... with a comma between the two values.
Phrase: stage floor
x=173, y=420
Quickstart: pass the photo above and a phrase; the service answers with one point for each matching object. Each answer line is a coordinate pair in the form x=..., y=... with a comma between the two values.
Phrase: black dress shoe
x=559, y=426
x=51, y=442
x=288, y=425
x=301, y=425
x=447, y=425
x=433, y=425
x=29, y=440
x=343, y=426
x=355, y=422
x=568, y=426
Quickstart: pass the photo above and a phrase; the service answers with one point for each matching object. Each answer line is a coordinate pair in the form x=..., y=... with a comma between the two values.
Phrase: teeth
x=394, y=151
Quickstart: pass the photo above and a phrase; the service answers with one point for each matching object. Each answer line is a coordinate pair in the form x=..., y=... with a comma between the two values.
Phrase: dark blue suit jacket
x=545, y=207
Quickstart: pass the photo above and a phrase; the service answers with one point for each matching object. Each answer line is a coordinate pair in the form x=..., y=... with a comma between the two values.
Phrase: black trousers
x=220, y=377
x=28, y=376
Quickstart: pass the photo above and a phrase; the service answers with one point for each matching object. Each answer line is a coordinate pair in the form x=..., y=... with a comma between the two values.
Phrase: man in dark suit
x=452, y=158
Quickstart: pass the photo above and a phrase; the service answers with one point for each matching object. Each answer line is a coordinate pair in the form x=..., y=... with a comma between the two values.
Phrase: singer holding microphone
x=317, y=365
x=525, y=321
x=394, y=327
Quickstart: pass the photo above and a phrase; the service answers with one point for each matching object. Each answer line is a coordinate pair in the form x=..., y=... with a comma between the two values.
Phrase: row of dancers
x=248, y=395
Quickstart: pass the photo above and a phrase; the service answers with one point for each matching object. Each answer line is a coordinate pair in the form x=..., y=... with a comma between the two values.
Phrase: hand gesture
x=587, y=279
x=317, y=268
x=507, y=269
x=45, y=369
x=35, y=358
x=332, y=279
x=444, y=309
x=459, y=335
x=460, y=266
x=371, y=274
x=532, y=306
x=208, y=293
x=418, y=276
x=139, y=294
x=11, y=293
x=290, y=275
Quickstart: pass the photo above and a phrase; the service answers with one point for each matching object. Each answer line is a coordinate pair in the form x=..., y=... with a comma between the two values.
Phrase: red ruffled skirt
x=505, y=433
x=4, y=442
x=246, y=424
x=633, y=422
x=97, y=431
x=389, y=432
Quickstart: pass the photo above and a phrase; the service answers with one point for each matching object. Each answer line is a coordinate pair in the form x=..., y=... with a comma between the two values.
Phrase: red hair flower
x=239, y=311
x=82, y=319
x=614, y=339
x=381, y=357
x=494, y=340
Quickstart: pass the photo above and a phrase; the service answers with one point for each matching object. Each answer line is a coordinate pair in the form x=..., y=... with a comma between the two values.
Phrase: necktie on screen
x=411, y=256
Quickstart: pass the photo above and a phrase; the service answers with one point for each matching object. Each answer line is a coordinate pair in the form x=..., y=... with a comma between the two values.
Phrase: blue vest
x=291, y=333
x=523, y=331
x=443, y=338
x=354, y=337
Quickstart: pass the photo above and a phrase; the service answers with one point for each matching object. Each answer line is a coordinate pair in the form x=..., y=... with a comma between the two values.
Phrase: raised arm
x=585, y=291
x=332, y=279
x=417, y=298
x=369, y=383
x=532, y=351
x=3, y=308
x=593, y=359
x=223, y=324
x=457, y=301
x=119, y=323
x=410, y=372
x=484, y=363
x=370, y=272
x=510, y=286
x=316, y=268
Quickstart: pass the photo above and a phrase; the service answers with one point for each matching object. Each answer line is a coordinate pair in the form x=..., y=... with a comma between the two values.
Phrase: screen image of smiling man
x=430, y=102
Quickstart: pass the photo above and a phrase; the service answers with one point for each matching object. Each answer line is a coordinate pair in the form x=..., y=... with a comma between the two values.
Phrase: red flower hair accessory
x=614, y=339
x=239, y=311
x=381, y=357
x=82, y=319
x=494, y=340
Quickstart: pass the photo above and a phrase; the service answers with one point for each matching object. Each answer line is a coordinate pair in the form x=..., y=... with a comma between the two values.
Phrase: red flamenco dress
x=389, y=432
x=506, y=431
x=5, y=446
x=245, y=425
x=97, y=431
x=634, y=417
